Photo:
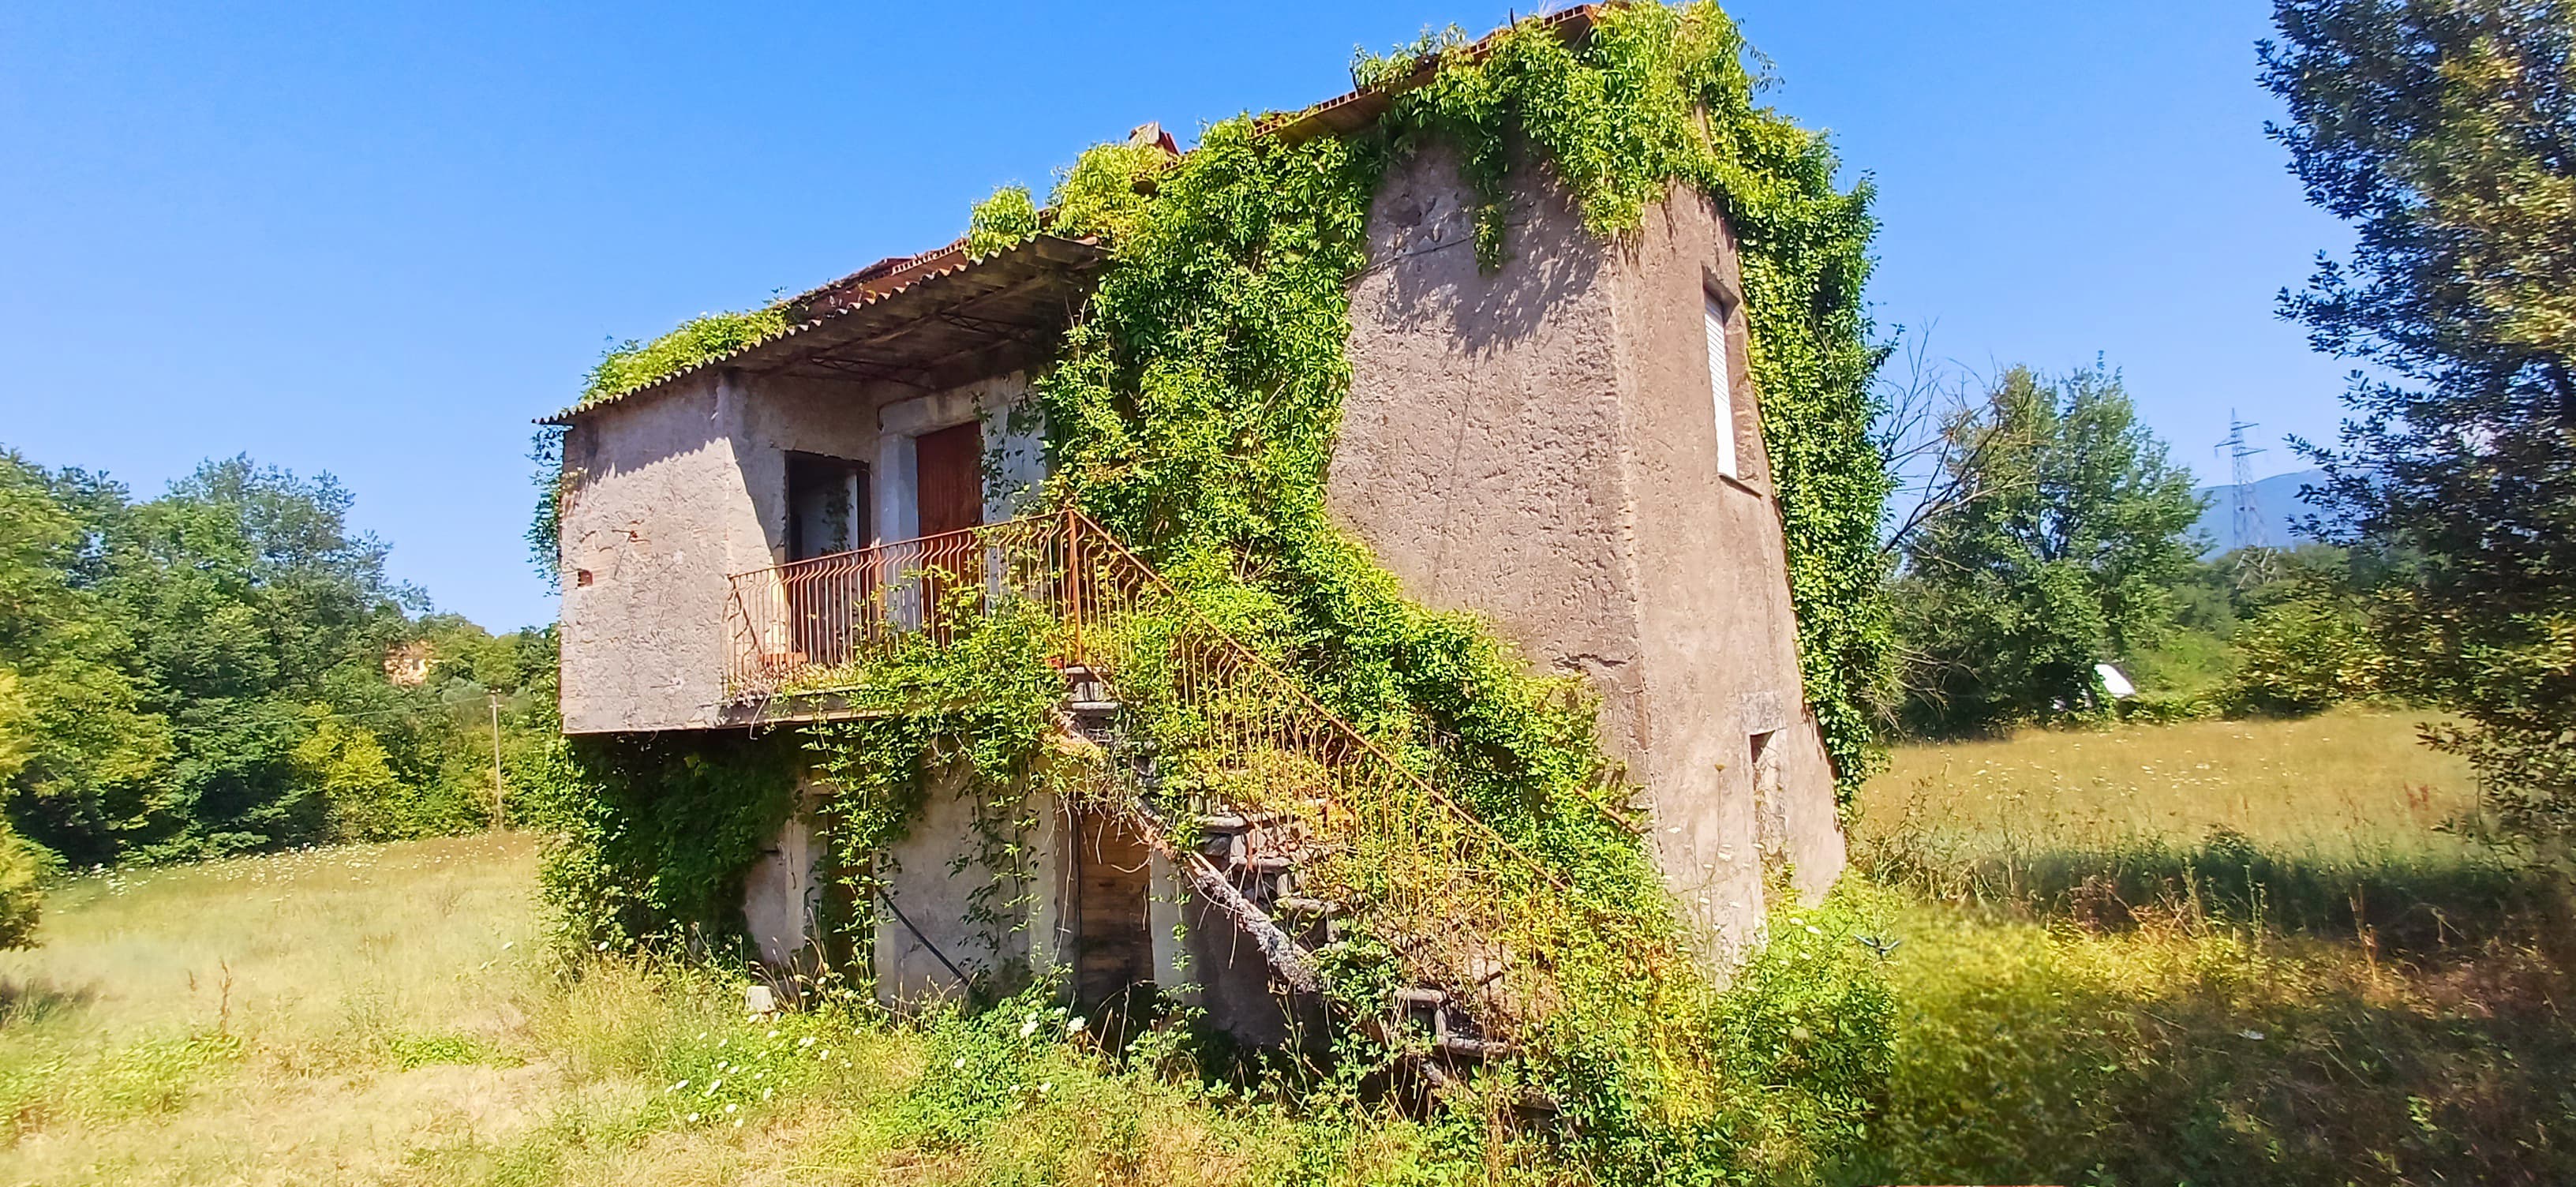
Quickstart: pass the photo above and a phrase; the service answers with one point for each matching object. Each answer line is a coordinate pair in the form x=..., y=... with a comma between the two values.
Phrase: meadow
x=2216, y=952
x=2147, y=955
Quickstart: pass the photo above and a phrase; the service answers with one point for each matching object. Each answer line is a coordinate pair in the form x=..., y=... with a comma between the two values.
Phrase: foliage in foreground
x=2444, y=131
x=2181, y=1051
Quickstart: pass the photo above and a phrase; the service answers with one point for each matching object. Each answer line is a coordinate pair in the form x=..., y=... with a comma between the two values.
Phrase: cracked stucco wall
x=1538, y=445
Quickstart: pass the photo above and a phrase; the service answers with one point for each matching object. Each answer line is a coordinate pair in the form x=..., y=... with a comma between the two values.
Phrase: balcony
x=802, y=631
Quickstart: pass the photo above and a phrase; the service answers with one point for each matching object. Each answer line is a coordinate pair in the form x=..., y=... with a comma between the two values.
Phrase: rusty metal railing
x=793, y=627
x=1228, y=730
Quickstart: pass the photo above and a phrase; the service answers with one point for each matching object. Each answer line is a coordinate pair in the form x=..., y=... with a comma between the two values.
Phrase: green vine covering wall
x=1193, y=412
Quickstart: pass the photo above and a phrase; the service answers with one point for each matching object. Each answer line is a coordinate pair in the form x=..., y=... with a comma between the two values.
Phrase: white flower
x=807, y=1041
x=1075, y=1026
x=1029, y=1027
x=730, y=1108
x=693, y=1116
x=676, y=1087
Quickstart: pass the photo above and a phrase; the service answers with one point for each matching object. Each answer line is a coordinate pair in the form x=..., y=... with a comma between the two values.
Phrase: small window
x=1720, y=385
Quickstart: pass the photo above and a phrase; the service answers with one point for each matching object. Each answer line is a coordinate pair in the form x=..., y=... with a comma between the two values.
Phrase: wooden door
x=951, y=478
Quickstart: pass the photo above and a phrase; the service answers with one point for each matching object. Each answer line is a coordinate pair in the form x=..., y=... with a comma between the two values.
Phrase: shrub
x=21, y=866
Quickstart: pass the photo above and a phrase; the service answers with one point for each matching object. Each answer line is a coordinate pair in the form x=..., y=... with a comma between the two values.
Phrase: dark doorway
x=827, y=505
x=827, y=513
x=1113, y=961
x=951, y=468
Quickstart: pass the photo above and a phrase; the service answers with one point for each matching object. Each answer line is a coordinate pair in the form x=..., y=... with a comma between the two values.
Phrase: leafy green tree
x=2444, y=132
x=2055, y=548
x=85, y=754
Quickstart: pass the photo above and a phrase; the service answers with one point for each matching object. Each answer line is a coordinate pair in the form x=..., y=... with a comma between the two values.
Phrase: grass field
x=2216, y=952
x=2089, y=994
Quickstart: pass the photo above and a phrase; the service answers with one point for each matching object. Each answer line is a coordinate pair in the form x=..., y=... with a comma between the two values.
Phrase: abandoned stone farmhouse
x=1568, y=445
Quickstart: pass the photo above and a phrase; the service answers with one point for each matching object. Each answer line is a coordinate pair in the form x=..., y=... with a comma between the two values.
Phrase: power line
x=2249, y=529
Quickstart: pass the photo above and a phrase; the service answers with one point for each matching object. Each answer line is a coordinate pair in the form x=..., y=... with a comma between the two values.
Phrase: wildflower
x=1029, y=1027
x=676, y=1087
x=807, y=1041
x=730, y=1108
x=693, y=1117
x=1075, y=1026
x=960, y=1065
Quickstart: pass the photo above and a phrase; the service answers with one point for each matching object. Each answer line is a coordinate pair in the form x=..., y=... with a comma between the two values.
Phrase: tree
x=2444, y=131
x=2055, y=550
x=86, y=756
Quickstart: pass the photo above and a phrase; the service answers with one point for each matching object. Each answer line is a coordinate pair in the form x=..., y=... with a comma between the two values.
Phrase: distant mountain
x=2278, y=499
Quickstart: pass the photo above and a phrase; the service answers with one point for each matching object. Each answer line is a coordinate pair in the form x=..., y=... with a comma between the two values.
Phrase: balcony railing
x=793, y=626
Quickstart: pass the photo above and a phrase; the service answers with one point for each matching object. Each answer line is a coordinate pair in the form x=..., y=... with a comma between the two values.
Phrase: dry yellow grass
x=2354, y=778
x=253, y=1019
x=382, y=1014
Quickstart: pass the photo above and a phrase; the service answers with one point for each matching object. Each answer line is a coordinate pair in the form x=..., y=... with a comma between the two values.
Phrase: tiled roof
x=903, y=322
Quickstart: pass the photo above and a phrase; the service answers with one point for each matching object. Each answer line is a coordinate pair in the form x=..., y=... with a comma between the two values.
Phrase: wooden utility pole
x=500, y=815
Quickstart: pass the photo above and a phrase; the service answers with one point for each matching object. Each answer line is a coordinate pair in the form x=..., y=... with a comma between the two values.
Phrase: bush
x=2304, y=655
x=21, y=864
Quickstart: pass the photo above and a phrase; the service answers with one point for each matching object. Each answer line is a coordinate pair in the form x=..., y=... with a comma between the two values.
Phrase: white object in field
x=759, y=1000
x=2115, y=681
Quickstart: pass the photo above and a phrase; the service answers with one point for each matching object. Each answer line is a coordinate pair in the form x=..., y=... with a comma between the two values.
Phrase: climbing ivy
x=702, y=339
x=1193, y=412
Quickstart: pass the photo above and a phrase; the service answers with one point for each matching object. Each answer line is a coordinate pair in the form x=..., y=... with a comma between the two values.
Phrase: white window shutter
x=1721, y=394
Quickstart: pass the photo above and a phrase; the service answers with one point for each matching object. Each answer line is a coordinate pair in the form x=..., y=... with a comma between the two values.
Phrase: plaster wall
x=656, y=505
x=932, y=876
x=675, y=491
x=1538, y=445
x=782, y=896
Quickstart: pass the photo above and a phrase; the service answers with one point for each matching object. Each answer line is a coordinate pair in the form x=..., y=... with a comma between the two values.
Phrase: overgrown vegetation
x=393, y=1010
x=1193, y=411
x=2443, y=131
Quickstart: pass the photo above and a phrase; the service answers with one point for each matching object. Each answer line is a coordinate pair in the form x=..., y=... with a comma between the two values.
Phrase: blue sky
x=378, y=240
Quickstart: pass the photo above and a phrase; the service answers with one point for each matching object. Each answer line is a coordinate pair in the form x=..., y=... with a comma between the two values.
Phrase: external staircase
x=1270, y=808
